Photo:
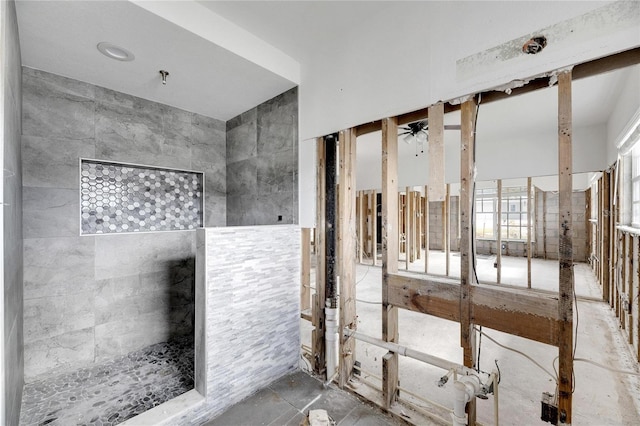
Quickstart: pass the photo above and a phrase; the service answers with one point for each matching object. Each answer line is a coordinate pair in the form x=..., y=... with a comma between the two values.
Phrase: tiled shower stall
x=95, y=295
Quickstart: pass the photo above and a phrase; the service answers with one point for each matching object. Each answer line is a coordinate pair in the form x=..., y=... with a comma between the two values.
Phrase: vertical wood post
x=587, y=223
x=467, y=166
x=407, y=227
x=565, y=244
x=446, y=231
x=361, y=215
x=374, y=225
x=544, y=224
x=605, y=238
x=417, y=220
x=426, y=229
x=499, y=234
x=317, y=335
x=305, y=270
x=529, y=229
x=436, y=152
x=389, y=254
x=637, y=292
x=347, y=251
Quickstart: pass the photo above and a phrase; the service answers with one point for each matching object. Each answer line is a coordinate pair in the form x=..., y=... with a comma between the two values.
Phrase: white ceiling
x=60, y=37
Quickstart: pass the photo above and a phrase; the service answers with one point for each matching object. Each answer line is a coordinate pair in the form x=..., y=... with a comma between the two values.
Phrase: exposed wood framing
x=305, y=270
x=587, y=222
x=612, y=238
x=361, y=215
x=374, y=226
x=565, y=244
x=530, y=208
x=467, y=170
x=426, y=229
x=446, y=229
x=436, y=152
x=630, y=278
x=389, y=254
x=544, y=224
x=637, y=293
x=407, y=227
x=545, y=319
x=417, y=227
x=511, y=310
x=317, y=336
x=347, y=250
x=499, y=235
x=606, y=228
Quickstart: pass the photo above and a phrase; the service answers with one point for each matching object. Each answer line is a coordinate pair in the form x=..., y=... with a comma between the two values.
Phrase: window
x=635, y=185
x=486, y=201
x=514, y=221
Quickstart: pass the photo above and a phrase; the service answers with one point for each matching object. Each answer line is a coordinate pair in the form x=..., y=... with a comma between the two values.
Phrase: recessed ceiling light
x=115, y=52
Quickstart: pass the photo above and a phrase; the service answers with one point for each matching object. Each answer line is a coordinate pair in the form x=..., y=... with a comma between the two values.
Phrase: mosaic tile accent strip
x=126, y=198
x=110, y=393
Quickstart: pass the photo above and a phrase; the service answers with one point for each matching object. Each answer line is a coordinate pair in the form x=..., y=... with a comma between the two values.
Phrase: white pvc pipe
x=332, y=342
x=411, y=353
x=459, y=416
x=465, y=390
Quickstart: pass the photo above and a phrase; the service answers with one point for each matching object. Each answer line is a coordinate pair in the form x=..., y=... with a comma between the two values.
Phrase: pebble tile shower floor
x=110, y=393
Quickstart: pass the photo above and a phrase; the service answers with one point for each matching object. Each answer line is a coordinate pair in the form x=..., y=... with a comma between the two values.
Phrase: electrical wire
x=614, y=370
x=363, y=277
x=555, y=378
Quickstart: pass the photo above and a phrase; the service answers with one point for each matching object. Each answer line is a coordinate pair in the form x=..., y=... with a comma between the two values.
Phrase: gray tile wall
x=262, y=163
x=248, y=314
x=91, y=298
x=11, y=96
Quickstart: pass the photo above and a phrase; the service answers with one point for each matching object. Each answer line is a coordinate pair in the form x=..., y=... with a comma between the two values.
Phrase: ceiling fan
x=418, y=132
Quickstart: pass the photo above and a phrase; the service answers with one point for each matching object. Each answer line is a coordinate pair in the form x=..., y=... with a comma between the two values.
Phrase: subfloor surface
x=110, y=393
x=601, y=397
x=287, y=402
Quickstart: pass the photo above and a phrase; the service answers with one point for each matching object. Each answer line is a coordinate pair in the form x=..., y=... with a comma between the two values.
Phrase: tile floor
x=288, y=401
x=110, y=393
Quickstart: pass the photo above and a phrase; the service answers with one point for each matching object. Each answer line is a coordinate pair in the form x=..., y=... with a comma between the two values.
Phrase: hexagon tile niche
x=118, y=198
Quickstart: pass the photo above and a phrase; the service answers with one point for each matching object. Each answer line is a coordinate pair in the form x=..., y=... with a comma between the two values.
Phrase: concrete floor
x=288, y=401
x=601, y=397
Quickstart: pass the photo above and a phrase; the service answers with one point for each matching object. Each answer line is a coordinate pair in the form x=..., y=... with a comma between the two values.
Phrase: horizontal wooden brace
x=519, y=312
x=440, y=298
x=514, y=311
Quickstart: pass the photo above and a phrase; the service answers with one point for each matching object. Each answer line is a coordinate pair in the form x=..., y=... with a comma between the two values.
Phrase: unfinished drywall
x=11, y=217
x=262, y=163
x=92, y=298
x=334, y=99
